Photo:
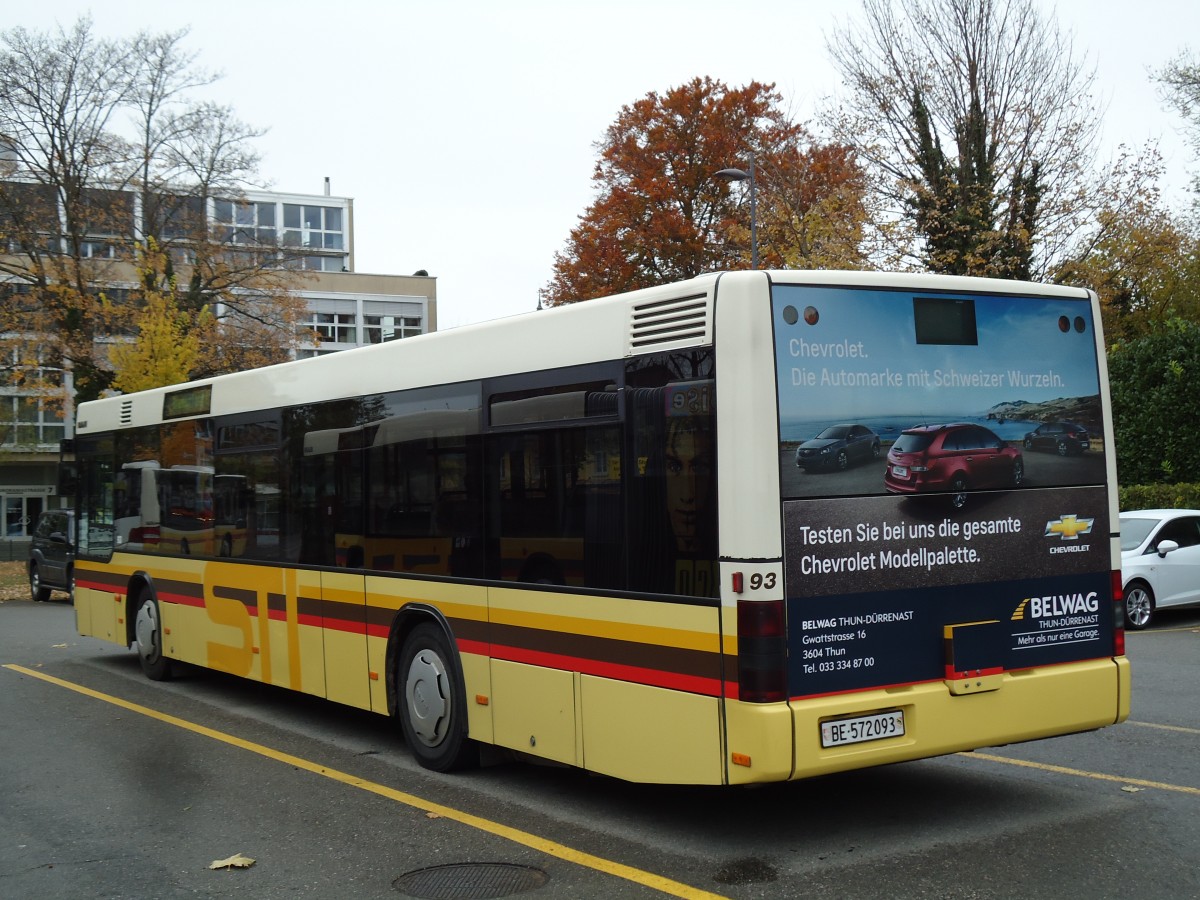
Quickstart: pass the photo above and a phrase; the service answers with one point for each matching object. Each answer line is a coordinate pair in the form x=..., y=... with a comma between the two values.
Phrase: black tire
x=1139, y=605
x=39, y=592
x=1063, y=449
x=1028, y=444
x=430, y=702
x=147, y=640
x=959, y=488
x=876, y=450
x=842, y=459
x=71, y=585
x=1018, y=472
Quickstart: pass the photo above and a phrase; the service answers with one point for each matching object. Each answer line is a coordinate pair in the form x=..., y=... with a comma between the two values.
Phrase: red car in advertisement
x=951, y=458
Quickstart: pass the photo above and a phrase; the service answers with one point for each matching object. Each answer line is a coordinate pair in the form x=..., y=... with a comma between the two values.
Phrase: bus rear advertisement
x=953, y=535
x=753, y=527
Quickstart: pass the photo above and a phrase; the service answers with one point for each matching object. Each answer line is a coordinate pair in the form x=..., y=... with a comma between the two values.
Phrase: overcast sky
x=465, y=131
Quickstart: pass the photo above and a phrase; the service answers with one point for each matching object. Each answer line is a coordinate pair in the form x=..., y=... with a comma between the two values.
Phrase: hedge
x=1159, y=496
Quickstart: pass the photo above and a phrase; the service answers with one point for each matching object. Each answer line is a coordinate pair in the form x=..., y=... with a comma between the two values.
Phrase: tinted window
x=1134, y=531
x=96, y=496
x=671, y=524
x=423, y=504
x=554, y=495
x=248, y=490
x=1185, y=532
x=909, y=442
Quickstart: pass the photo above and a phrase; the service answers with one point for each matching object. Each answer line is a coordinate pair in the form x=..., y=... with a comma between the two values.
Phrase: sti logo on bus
x=1069, y=528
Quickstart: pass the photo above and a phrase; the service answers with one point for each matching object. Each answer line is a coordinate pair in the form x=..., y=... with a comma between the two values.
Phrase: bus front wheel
x=147, y=639
x=432, y=713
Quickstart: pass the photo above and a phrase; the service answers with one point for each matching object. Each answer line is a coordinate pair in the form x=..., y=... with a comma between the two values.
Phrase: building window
x=313, y=227
x=377, y=329
x=28, y=421
x=244, y=223
x=338, y=328
x=309, y=354
x=317, y=263
x=97, y=250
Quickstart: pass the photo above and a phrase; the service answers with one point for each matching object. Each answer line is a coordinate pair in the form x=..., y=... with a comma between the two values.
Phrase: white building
x=347, y=309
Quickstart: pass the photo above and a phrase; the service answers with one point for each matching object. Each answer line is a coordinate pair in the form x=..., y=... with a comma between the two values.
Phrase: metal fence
x=14, y=549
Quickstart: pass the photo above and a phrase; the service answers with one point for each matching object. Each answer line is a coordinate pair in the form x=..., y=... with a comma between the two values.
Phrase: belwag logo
x=1078, y=604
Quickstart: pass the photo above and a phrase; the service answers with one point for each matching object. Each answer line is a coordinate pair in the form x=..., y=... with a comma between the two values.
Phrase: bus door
x=333, y=471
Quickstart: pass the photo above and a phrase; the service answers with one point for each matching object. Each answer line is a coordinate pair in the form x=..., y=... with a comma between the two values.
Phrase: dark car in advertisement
x=1063, y=438
x=838, y=447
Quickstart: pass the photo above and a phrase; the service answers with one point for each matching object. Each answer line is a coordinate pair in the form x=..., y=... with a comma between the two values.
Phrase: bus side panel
x=647, y=676
x=650, y=735
x=98, y=605
x=1028, y=705
x=343, y=612
x=305, y=638
x=760, y=737
x=248, y=621
x=536, y=710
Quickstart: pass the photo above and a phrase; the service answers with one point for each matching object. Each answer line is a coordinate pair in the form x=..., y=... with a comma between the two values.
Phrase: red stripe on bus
x=101, y=586
x=181, y=599
x=478, y=648
x=692, y=684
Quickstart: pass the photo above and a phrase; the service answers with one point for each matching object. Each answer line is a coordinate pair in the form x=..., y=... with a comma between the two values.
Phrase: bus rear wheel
x=430, y=700
x=147, y=639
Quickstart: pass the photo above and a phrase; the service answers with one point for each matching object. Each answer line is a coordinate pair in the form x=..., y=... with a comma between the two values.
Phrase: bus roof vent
x=679, y=320
x=127, y=412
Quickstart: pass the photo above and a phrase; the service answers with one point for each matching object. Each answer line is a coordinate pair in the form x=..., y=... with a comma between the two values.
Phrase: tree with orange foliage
x=662, y=216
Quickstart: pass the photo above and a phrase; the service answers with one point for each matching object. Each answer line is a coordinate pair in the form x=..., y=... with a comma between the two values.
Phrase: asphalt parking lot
x=118, y=787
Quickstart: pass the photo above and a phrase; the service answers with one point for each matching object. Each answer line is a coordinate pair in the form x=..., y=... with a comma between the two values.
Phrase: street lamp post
x=743, y=175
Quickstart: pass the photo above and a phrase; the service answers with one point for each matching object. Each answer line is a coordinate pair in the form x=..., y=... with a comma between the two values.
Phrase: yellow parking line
x=1080, y=773
x=551, y=848
x=1180, y=728
x=1192, y=628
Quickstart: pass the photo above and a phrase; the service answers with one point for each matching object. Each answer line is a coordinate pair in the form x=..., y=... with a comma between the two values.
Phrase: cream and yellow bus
x=753, y=527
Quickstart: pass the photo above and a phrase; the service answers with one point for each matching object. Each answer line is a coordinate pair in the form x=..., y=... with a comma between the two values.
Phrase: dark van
x=52, y=554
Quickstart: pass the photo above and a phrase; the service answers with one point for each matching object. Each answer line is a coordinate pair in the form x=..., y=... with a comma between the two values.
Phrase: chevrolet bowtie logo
x=1069, y=528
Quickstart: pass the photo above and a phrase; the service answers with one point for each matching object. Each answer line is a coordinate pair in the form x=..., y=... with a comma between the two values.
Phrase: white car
x=1160, y=561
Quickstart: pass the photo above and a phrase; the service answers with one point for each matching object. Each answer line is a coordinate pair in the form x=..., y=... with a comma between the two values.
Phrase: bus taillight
x=762, y=651
x=1118, y=614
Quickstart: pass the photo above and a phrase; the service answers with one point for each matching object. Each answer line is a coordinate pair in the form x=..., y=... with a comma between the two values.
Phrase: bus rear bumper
x=1024, y=705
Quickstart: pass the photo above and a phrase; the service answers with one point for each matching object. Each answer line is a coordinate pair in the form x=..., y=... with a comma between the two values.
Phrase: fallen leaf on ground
x=432, y=815
x=1130, y=789
x=237, y=861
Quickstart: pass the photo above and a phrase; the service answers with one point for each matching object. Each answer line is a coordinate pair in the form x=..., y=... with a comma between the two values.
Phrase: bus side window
x=671, y=488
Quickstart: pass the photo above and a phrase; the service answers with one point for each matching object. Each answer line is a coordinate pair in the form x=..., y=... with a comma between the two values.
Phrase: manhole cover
x=470, y=881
